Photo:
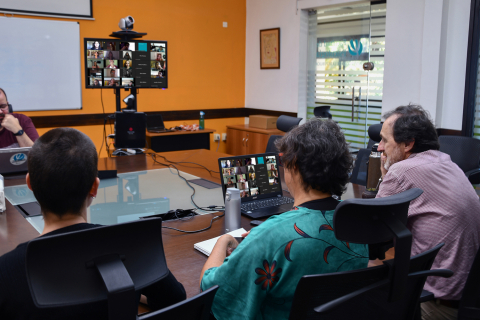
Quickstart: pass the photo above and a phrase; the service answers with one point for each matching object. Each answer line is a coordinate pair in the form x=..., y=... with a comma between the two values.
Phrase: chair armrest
x=426, y=296
x=329, y=306
x=473, y=176
x=444, y=273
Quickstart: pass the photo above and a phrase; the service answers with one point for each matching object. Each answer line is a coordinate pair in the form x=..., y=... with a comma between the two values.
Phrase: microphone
x=374, y=132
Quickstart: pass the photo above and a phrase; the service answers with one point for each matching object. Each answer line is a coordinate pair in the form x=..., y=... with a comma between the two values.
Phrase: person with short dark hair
x=62, y=173
x=448, y=211
x=258, y=279
x=16, y=130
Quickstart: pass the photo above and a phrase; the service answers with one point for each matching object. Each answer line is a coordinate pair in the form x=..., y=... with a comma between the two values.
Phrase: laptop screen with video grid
x=256, y=176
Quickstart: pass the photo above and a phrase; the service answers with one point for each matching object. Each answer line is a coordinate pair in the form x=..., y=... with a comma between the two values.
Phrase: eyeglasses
x=4, y=106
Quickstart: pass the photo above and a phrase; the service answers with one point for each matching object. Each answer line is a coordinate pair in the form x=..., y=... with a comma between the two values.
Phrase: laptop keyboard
x=272, y=202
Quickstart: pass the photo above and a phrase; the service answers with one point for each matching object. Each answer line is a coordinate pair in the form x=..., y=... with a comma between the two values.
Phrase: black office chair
x=322, y=112
x=107, y=263
x=469, y=308
x=285, y=124
x=390, y=291
x=359, y=173
x=465, y=152
x=196, y=308
x=10, y=108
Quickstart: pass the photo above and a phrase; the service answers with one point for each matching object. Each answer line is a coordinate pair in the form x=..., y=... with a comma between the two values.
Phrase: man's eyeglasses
x=3, y=106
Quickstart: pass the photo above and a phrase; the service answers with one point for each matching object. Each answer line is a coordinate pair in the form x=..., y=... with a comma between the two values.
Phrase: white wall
x=281, y=89
x=272, y=89
x=452, y=86
x=425, y=56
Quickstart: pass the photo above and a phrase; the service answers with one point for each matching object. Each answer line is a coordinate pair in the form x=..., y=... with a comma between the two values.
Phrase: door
x=345, y=54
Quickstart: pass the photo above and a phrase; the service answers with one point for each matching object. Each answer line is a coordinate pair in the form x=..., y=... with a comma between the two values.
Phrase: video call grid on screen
x=256, y=176
x=136, y=63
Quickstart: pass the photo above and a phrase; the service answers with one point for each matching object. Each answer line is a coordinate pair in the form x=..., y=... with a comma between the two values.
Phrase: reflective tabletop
x=133, y=195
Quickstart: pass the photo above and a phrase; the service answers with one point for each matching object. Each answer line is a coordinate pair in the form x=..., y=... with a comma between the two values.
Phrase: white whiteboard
x=40, y=64
x=73, y=8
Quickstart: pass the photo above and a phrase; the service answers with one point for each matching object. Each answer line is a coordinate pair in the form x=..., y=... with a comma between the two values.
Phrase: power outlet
x=224, y=137
x=216, y=137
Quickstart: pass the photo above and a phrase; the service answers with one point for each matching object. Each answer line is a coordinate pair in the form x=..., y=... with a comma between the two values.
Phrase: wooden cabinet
x=244, y=140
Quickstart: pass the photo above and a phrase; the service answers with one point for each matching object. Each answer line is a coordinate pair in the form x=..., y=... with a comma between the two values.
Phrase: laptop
x=14, y=160
x=257, y=176
x=155, y=124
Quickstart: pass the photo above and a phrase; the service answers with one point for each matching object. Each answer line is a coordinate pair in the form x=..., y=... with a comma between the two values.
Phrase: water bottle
x=201, y=122
x=2, y=195
x=373, y=173
x=232, y=209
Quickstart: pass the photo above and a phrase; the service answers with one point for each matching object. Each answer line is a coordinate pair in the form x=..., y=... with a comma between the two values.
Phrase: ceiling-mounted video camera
x=126, y=23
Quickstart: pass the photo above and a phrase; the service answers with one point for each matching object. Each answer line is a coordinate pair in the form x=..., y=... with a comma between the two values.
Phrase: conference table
x=182, y=259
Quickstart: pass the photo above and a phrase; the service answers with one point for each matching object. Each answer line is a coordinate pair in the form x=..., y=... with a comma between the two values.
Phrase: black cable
x=198, y=164
x=104, y=140
x=210, y=208
x=196, y=231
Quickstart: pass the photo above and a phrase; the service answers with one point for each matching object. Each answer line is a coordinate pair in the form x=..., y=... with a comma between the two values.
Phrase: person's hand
x=383, y=159
x=230, y=242
x=245, y=234
x=11, y=123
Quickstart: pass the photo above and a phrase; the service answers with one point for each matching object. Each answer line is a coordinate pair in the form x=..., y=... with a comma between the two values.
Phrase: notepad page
x=206, y=246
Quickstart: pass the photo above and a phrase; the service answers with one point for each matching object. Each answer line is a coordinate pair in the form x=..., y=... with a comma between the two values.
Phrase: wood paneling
x=174, y=115
x=235, y=141
x=242, y=139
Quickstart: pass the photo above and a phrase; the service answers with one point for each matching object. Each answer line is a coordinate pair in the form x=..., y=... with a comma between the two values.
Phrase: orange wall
x=206, y=61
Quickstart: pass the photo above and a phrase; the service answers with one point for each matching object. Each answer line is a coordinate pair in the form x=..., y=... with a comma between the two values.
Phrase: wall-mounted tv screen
x=111, y=63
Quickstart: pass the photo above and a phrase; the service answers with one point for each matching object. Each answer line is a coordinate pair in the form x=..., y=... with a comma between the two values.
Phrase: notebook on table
x=206, y=246
x=14, y=160
x=259, y=181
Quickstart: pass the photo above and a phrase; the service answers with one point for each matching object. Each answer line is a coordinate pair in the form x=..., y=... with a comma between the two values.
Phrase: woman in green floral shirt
x=258, y=279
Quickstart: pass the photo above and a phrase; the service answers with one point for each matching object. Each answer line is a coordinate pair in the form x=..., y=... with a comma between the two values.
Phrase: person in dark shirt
x=62, y=173
x=16, y=130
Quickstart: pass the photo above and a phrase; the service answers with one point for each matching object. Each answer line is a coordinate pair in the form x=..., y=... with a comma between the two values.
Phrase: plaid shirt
x=448, y=211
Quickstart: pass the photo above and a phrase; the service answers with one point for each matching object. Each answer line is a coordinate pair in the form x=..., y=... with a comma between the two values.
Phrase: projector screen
x=69, y=8
x=40, y=64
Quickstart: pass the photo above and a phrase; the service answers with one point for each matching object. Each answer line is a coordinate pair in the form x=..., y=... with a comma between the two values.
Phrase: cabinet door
x=256, y=142
x=236, y=141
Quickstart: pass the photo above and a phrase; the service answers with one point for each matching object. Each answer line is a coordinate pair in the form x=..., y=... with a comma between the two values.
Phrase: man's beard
x=395, y=157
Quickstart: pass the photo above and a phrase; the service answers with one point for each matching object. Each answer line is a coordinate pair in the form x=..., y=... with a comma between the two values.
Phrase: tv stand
x=118, y=99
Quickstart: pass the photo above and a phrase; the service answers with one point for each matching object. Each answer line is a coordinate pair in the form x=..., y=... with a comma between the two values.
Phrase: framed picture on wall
x=270, y=48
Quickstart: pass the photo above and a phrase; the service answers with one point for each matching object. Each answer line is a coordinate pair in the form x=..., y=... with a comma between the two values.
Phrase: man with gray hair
x=448, y=211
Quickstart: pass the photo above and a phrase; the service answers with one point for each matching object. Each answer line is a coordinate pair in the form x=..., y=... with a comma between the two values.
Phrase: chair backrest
x=287, y=123
x=315, y=293
x=271, y=143
x=375, y=221
x=374, y=132
x=359, y=173
x=469, y=308
x=195, y=308
x=63, y=270
x=10, y=108
x=322, y=112
x=464, y=151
